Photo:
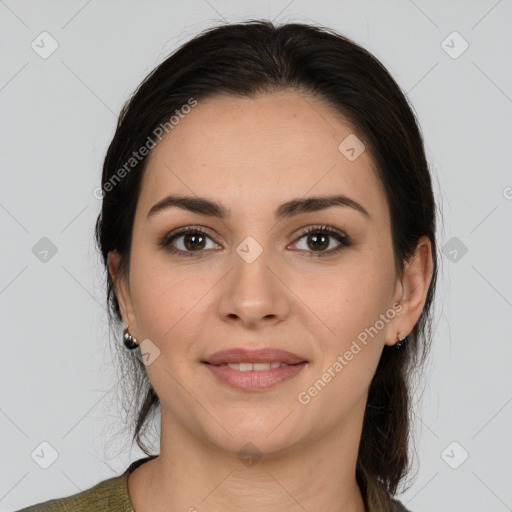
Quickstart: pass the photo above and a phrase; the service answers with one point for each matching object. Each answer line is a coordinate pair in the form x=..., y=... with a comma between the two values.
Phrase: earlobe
x=415, y=284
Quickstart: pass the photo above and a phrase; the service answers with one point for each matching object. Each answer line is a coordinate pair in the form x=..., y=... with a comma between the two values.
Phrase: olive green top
x=108, y=496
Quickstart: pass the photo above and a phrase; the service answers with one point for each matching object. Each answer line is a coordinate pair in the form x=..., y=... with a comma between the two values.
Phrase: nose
x=255, y=293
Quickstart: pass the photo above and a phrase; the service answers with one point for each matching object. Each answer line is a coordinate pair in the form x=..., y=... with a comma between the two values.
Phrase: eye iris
x=193, y=238
x=316, y=237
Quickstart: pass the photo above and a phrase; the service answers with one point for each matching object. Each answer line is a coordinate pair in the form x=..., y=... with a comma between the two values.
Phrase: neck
x=191, y=475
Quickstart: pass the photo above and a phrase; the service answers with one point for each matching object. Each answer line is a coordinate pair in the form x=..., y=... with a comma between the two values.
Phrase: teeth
x=246, y=367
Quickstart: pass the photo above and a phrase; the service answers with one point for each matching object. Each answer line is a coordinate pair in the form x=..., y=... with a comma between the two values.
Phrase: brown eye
x=187, y=242
x=318, y=239
x=193, y=241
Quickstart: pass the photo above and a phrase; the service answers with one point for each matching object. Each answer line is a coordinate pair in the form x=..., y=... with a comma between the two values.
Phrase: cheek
x=349, y=350
x=167, y=300
x=160, y=305
x=345, y=299
x=349, y=306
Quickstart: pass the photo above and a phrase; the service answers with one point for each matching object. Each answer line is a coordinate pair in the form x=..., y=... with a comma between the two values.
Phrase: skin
x=252, y=155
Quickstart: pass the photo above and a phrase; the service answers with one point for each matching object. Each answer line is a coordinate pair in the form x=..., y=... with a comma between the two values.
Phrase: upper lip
x=263, y=355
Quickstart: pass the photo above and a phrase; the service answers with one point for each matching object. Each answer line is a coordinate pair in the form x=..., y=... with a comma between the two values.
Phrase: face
x=254, y=280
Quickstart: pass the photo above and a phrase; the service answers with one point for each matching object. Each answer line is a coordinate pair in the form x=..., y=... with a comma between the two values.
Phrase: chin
x=268, y=430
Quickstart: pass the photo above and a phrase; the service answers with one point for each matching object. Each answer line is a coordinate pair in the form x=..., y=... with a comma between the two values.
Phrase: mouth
x=254, y=370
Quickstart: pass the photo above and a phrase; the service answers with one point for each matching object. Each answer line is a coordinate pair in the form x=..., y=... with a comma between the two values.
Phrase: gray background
x=58, y=116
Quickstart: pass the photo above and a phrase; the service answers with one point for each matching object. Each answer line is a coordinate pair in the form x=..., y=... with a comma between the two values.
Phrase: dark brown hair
x=256, y=57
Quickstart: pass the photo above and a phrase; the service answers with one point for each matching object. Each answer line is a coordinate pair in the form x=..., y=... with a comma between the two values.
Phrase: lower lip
x=255, y=380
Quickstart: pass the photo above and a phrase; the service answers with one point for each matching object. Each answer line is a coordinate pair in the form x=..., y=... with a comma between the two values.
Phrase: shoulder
x=111, y=495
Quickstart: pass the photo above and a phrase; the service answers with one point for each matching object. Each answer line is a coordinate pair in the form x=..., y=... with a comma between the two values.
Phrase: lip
x=254, y=380
x=263, y=355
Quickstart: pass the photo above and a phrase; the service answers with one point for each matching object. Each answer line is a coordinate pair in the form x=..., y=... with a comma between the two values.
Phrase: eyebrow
x=207, y=207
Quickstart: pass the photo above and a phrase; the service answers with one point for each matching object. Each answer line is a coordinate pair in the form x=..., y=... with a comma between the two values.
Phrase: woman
x=268, y=226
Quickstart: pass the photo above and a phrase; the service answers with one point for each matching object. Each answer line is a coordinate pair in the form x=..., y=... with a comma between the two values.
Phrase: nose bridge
x=252, y=276
x=253, y=291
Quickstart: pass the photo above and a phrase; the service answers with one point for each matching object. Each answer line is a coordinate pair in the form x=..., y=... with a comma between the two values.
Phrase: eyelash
x=167, y=240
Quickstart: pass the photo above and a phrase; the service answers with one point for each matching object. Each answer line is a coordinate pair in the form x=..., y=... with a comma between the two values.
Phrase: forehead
x=267, y=148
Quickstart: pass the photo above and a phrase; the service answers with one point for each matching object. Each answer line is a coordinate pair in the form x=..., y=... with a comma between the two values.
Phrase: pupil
x=194, y=238
x=315, y=238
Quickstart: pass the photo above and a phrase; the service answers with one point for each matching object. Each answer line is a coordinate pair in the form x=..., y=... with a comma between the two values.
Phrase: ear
x=122, y=291
x=412, y=293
